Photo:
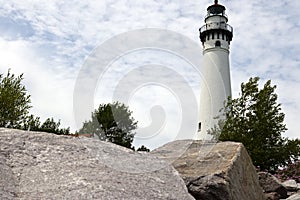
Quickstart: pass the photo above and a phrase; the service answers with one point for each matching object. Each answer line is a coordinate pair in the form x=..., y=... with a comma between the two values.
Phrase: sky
x=56, y=44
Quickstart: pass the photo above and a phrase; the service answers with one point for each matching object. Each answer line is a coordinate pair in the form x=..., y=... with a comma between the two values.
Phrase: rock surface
x=46, y=166
x=290, y=185
x=272, y=196
x=271, y=184
x=221, y=171
x=294, y=197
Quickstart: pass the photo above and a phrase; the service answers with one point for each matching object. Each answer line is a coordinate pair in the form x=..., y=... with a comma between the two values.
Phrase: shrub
x=292, y=171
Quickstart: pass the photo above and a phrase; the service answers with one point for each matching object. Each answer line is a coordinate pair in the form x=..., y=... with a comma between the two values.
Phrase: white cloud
x=51, y=92
x=48, y=41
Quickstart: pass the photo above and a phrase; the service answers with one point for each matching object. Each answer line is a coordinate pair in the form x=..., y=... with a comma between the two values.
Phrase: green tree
x=217, y=129
x=143, y=148
x=255, y=119
x=15, y=105
x=14, y=101
x=51, y=126
x=33, y=123
x=113, y=123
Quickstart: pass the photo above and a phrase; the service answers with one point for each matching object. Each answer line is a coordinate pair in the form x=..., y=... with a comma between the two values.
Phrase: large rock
x=214, y=171
x=46, y=166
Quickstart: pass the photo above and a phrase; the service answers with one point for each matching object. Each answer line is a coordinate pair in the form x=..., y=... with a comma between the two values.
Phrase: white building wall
x=215, y=86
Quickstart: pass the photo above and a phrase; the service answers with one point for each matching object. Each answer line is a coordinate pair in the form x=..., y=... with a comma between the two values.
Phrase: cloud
x=50, y=92
x=49, y=42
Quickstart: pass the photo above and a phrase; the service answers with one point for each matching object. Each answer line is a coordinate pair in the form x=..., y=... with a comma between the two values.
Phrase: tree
x=217, y=129
x=15, y=105
x=33, y=123
x=255, y=119
x=50, y=126
x=14, y=101
x=143, y=148
x=113, y=123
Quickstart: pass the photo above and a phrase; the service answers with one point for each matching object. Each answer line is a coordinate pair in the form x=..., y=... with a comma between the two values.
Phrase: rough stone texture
x=271, y=184
x=222, y=171
x=272, y=196
x=290, y=185
x=8, y=184
x=46, y=166
x=294, y=197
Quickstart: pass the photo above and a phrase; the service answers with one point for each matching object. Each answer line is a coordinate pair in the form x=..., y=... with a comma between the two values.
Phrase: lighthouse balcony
x=216, y=26
x=216, y=31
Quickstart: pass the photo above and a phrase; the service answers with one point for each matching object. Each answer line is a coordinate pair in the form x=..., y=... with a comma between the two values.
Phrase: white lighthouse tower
x=215, y=36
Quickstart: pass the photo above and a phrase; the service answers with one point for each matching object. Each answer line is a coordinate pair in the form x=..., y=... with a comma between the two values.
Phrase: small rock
x=272, y=196
x=290, y=185
x=291, y=193
x=294, y=197
x=270, y=184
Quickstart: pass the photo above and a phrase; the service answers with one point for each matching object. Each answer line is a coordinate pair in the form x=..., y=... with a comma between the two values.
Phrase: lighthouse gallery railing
x=211, y=26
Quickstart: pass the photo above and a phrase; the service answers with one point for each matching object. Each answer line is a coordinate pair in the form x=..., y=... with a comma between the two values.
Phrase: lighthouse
x=215, y=36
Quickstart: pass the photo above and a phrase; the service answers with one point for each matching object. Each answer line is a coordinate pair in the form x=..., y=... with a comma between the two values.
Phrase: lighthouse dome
x=216, y=9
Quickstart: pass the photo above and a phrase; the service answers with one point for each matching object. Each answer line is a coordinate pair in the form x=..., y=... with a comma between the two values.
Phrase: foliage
x=113, y=123
x=217, y=130
x=50, y=126
x=14, y=101
x=256, y=120
x=31, y=123
x=143, y=148
x=292, y=171
x=14, y=108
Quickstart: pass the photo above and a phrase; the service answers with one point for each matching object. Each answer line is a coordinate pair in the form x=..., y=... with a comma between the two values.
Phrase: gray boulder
x=36, y=165
x=213, y=171
x=271, y=184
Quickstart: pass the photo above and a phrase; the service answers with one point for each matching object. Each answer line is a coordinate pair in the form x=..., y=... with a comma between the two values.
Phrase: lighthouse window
x=218, y=35
x=207, y=36
x=223, y=38
x=223, y=25
x=218, y=43
x=213, y=36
